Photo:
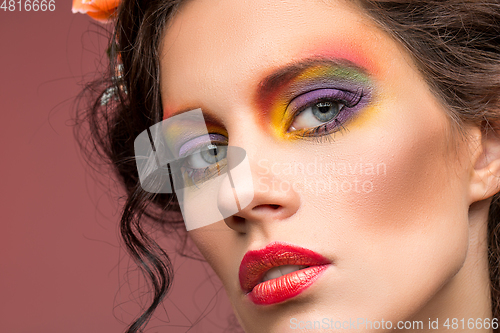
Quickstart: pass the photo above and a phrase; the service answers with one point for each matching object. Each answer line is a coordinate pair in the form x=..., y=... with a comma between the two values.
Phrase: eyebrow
x=283, y=75
x=268, y=86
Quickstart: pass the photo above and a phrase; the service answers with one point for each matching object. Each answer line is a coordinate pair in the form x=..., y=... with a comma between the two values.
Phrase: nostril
x=238, y=219
x=266, y=207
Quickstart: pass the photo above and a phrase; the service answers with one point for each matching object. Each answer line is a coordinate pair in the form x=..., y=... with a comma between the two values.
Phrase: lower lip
x=286, y=286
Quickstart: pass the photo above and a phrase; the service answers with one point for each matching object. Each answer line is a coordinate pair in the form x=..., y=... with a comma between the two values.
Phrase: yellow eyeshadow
x=277, y=114
x=362, y=117
x=315, y=71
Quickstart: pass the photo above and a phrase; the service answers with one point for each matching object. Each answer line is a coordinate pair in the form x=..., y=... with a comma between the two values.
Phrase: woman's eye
x=204, y=164
x=323, y=111
x=316, y=115
x=207, y=156
x=202, y=158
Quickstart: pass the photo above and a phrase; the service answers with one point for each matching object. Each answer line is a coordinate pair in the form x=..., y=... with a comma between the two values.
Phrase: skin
x=414, y=246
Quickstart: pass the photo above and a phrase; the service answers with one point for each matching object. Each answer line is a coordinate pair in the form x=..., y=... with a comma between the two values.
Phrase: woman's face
x=352, y=157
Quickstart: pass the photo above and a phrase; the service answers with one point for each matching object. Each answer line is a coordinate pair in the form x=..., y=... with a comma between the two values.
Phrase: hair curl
x=455, y=44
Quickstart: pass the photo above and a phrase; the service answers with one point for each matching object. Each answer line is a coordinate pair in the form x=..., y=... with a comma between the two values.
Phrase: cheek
x=417, y=193
x=207, y=241
x=410, y=227
x=218, y=245
x=412, y=174
x=424, y=177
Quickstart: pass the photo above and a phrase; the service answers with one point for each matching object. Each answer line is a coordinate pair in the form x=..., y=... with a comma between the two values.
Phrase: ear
x=485, y=152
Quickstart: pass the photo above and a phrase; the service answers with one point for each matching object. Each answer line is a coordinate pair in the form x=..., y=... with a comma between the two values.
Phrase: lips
x=284, y=282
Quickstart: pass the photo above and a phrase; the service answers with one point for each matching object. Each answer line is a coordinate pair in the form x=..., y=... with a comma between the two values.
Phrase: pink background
x=63, y=269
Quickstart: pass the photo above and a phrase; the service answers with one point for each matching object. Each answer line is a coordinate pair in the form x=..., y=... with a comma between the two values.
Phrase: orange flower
x=101, y=10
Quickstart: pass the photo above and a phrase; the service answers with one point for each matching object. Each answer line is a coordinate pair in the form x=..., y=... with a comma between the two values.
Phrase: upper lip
x=257, y=262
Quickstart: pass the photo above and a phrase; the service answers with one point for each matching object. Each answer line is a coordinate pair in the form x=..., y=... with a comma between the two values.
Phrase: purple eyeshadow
x=200, y=142
x=354, y=100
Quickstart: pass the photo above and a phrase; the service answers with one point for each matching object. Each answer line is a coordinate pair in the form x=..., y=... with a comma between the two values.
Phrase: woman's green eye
x=325, y=111
x=204, y=164
x=214, y=154
x=207, y=156
x=316, y=115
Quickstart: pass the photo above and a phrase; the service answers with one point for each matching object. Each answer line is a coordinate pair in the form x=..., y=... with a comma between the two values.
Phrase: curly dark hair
x=455, y=45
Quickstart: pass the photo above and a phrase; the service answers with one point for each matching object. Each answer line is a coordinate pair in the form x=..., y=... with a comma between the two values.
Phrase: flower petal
x=82, y=6
x=100, y=10
x=106, y=5
x=103, y=17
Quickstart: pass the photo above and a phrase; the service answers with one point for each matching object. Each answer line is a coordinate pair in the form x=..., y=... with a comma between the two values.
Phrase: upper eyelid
x=194, y=150
x=212, y=136
x=296, y=89
x=358, y=96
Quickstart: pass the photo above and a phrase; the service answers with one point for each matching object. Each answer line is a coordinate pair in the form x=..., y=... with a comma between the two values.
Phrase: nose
x=261, y=195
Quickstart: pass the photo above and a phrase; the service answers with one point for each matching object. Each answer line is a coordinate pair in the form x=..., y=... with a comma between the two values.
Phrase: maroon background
x=62, y=268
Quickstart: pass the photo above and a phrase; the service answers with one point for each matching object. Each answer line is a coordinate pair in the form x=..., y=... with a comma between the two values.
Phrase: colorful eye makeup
x=321, y=111
x=319, y=101
x=311, y=99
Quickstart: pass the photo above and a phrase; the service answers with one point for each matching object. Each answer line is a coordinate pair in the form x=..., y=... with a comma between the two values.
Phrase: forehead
x=220, y=48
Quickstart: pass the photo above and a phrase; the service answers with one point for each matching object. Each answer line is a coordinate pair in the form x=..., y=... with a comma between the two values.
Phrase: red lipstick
x=257, y=264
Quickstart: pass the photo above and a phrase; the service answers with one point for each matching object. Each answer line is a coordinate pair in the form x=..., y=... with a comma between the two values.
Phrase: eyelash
x=322, y=133
x=195, y=175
